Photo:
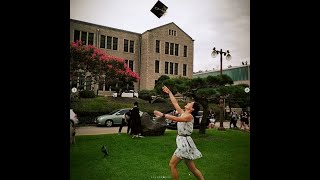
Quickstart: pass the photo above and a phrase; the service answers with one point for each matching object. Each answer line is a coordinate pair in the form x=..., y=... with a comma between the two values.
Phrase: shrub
x=146, y=94
x=88, y=109
x=87, y=94
x=159, y=100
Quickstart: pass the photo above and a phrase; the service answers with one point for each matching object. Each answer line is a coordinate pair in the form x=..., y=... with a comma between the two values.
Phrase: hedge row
x=88, y=109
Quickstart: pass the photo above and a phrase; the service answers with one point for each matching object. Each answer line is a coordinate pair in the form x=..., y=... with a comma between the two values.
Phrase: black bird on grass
x=104, y=150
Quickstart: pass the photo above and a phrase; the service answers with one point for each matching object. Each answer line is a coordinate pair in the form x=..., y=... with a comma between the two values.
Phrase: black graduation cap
x=159, y=9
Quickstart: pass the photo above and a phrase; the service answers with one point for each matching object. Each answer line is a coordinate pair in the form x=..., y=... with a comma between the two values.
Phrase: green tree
x=159, y=84
x=237, y=97
x=206, y=90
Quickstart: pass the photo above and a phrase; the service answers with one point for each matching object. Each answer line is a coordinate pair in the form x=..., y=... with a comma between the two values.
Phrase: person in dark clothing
x=234, y=119
x=210, y=116
x=136, y=121
x=211, y=119
x=244, y=121
x=124, y=122
x=128, y=121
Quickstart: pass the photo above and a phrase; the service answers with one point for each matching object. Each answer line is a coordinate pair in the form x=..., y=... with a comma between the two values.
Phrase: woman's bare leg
x=192, y=167
x=173, y=167
x=241, y=125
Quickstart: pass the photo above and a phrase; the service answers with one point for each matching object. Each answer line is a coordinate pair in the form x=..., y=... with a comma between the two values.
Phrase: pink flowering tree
x=99, y=64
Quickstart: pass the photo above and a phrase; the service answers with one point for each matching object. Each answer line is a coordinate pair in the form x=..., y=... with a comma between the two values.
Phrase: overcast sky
x=224, y=24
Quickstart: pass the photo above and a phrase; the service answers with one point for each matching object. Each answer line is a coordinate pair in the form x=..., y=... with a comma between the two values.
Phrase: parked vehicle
x=73, y=117
x=73, y=122
x=130, y=93
x=113, y=118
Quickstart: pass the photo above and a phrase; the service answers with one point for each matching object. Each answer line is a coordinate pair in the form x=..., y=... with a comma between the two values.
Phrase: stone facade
x=144, y=55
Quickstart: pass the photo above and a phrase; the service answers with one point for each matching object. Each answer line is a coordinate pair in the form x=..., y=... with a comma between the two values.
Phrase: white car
x=73, y=117
x=130, y=93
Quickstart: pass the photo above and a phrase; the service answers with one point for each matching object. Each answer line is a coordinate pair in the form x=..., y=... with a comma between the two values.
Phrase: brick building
x=164, y=50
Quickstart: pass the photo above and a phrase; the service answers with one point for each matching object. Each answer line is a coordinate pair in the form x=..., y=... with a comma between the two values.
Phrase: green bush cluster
x=88, y=109
x=159, y=100
x=87, y=94
x=146, y=94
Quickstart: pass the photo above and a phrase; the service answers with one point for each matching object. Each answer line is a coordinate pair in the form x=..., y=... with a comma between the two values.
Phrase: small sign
x=74, y=90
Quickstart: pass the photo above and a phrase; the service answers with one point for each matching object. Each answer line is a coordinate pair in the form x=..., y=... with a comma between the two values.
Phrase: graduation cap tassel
x=163, y=10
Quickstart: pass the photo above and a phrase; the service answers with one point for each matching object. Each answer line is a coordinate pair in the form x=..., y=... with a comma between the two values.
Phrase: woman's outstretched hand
x=166, y=89
x=157, y=113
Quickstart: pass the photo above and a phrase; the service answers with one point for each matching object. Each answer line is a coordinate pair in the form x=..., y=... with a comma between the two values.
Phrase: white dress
x=186, y=149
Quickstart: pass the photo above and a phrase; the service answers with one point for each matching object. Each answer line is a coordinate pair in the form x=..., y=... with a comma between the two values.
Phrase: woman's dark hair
x=196, y=109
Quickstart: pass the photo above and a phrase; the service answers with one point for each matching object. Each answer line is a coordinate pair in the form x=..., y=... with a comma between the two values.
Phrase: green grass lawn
x=226, y=155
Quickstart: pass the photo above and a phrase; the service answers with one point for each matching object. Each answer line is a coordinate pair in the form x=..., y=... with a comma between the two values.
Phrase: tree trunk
x=229, y=107
x=205, y=106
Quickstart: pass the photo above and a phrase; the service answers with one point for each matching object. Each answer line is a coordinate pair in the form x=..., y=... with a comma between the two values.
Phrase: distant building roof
x=239, y=73
x=218, y=70
x=83, y=22
x=167, y=25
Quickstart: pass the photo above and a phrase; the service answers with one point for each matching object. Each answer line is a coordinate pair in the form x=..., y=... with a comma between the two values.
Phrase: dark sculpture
x=152, y=127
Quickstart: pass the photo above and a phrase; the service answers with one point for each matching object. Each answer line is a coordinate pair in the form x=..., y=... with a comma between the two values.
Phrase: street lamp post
x=221, y=101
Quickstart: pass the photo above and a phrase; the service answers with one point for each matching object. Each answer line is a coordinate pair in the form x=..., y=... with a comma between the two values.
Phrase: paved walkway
x=93, y=130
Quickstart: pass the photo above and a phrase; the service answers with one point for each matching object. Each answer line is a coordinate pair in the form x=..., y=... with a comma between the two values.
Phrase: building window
x=76, y=36
x=84, y=37
x=175, y=68
x=184, y=70
x=103, y=41
x=176, y=51
x=172, y=32
x=115, y=43
x=155, y=82
x=101, y=83
x=157, y=46
x=166, y=67
x=171, y=68
x=88, y=83
x=185, y=49
x=131, y=65
x=81, y=81
x=157, y=66
x=171, y=48
x=126, y=45
x=109, y=41
x=167, y=48
x=131, y=46
x=74, y=81
x=90, y=39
